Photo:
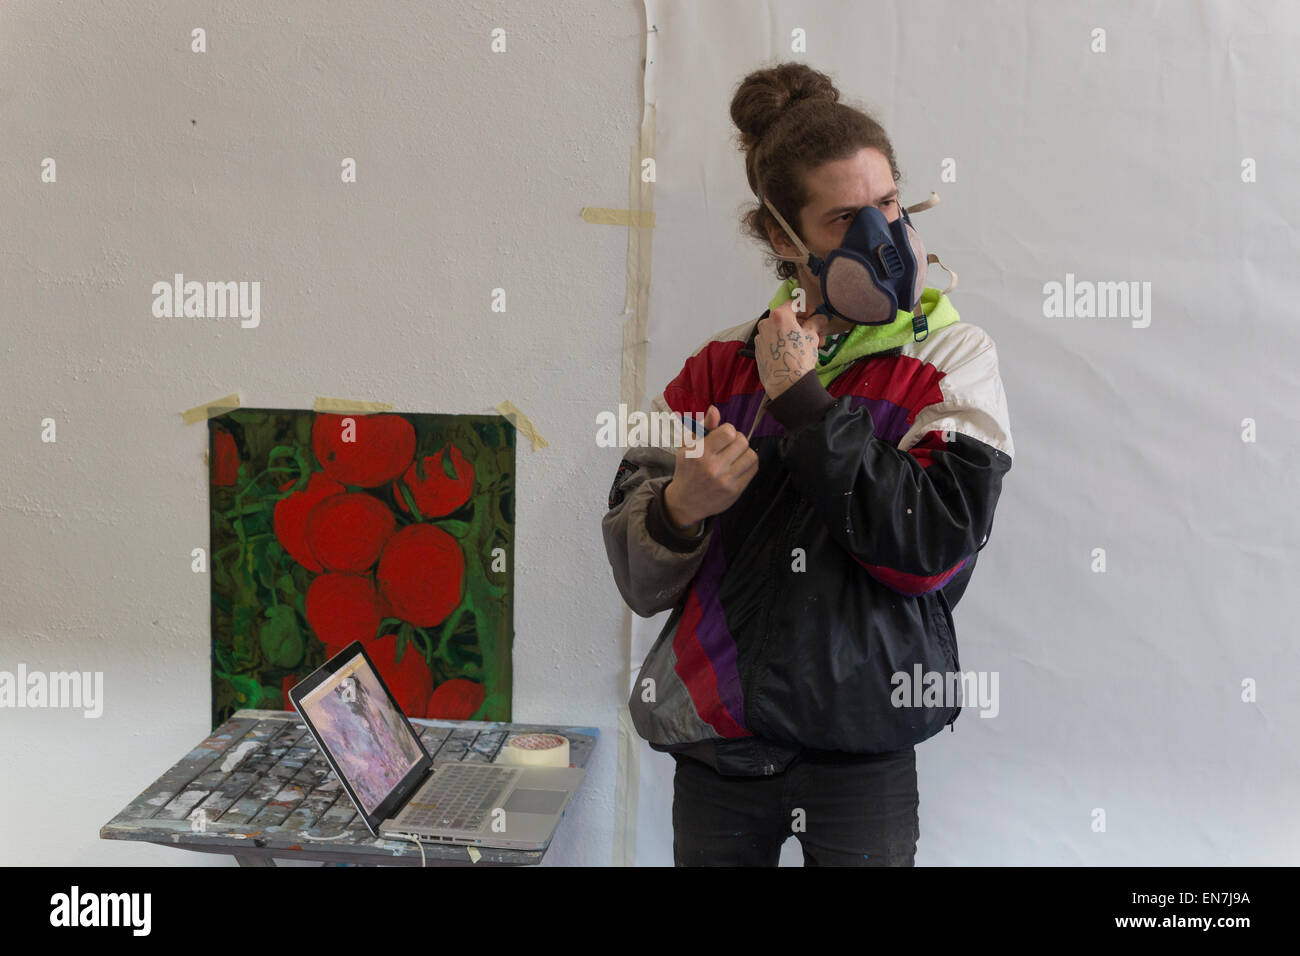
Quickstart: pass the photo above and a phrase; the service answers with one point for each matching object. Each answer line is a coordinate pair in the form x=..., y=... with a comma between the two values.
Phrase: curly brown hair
x=791, y=120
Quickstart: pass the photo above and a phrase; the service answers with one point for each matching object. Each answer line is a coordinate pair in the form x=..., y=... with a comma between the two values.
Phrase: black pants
x=860, y=812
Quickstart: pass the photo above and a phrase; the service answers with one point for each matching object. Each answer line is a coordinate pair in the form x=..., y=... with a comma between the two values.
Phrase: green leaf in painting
x=220, y=575
x=247, y=691
x=426, y=644
x=494, y=707
x=262, y=565
x=259, y=522
x=410, y=501
x=403, y=638
x=282, y=642
x=225, y=661
x=270, y=698
x=448, y=466
x=241, y=637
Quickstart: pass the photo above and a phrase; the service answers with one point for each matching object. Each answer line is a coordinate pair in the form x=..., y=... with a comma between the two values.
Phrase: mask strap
x=926, y=204
x=931, y=257
x=804, y=256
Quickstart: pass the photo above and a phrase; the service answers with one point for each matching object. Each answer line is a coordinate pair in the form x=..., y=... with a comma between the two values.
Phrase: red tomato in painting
x=225, y=462
x=342, y=608
x=286, y=685
x=381, y=448
x=290, y=518
x=420, y=574
x=437, y=494
x=411, y=681
x=385, y=609
x=346, y=532
x=456, y=699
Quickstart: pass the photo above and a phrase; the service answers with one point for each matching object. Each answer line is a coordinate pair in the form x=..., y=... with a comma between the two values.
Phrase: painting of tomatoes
x=396, y=530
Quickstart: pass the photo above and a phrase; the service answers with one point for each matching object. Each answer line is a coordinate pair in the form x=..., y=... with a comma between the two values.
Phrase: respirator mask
x=876, y=272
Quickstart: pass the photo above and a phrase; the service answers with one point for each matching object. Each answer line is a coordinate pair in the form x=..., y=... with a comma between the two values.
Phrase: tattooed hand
x=786, y=347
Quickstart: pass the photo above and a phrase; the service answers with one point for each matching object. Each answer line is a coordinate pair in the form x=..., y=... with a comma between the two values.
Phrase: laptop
x=399, y=790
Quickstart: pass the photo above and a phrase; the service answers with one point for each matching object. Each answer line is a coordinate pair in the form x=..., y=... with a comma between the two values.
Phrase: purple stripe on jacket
x=712, y=632
x=890, y=420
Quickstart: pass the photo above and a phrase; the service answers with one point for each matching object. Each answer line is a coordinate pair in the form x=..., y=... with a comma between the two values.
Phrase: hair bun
x=764, y=96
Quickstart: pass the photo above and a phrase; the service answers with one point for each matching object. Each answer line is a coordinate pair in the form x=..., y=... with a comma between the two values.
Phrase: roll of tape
x=536, y=750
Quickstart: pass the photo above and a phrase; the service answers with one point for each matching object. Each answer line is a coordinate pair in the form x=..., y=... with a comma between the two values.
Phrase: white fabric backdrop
x=1119, y=691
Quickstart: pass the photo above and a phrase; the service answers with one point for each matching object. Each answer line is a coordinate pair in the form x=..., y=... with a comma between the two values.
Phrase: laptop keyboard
x=458, y=797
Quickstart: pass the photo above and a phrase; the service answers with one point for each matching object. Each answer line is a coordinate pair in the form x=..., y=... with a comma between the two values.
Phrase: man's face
x=837, y=191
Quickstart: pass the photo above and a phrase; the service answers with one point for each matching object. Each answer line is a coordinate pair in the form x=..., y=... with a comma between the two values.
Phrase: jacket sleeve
x=913, y=515
x=652, y=562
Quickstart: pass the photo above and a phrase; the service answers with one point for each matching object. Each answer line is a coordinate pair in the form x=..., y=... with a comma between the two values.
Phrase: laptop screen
x=370, y=741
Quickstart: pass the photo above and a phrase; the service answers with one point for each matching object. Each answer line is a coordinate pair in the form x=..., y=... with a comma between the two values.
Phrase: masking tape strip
x=201, y=413
x=619, y=217
x=640, y=244
x=347, y=405
x=521, y=423
x=632, y=390
x=626, y=787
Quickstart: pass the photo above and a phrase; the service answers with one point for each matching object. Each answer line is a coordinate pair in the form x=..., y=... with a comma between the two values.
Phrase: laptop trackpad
x=535, y=801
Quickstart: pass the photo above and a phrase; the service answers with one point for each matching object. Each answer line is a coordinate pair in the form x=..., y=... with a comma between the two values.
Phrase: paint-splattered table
x=259, y=789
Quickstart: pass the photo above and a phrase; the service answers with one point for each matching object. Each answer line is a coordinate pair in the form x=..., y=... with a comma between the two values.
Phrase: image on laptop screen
x=363, y=732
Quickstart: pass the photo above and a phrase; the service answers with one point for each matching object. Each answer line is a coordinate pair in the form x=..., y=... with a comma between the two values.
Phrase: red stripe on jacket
x=696, y=672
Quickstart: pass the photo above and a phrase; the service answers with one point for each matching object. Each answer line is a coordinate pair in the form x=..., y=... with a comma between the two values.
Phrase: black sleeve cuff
x=803, y=403
x=660, y=528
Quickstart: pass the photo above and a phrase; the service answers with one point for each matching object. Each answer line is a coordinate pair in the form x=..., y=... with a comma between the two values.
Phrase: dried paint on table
x=393, y=529
x=259, y=788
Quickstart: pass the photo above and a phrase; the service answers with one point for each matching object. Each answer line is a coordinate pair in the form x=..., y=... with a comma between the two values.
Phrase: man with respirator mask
x=876, y=271
x=812, y=545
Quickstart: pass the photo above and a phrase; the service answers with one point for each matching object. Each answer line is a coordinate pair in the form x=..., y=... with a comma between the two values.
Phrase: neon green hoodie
x=869, y=339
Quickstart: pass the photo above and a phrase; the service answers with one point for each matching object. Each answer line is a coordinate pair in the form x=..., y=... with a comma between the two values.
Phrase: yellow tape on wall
x=347, y=405
x=642, y=218
x=201, y=413
x=522, y=423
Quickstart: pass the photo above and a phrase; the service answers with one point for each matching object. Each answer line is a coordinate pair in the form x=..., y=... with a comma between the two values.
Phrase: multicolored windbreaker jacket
x=838, y=566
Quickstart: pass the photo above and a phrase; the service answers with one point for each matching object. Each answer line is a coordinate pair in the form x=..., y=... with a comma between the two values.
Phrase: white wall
x=1119, y=691
x=473, y=169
